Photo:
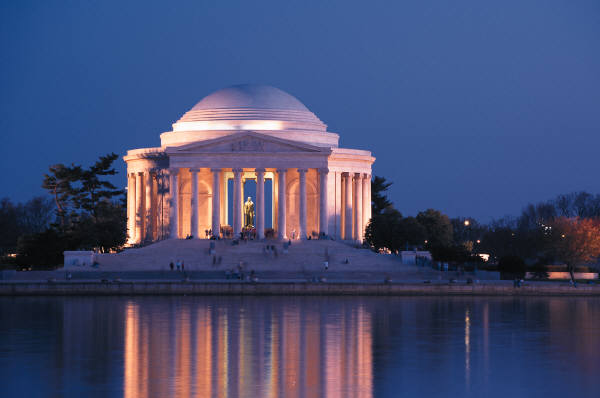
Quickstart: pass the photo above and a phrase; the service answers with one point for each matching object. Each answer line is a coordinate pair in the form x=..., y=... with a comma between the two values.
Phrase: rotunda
x=248, y=141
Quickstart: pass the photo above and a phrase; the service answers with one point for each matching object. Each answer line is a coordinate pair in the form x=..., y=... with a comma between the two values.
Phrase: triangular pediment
x=247, y=142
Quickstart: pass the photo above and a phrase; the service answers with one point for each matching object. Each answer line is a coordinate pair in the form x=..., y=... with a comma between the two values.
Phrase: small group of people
x=270, y=249
x=179, y=264
x=240, y=274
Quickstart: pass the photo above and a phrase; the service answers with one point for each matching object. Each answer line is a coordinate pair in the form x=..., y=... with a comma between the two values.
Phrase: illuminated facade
x=248, y=133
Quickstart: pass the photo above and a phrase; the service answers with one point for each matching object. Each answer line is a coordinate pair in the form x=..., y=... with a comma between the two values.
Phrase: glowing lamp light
x=467, y=222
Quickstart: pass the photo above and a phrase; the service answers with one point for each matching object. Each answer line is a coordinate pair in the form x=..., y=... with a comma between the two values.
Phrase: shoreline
x=289, y=288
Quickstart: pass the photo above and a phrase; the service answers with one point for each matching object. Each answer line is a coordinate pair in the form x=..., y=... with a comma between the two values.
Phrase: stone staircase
x=302, y=257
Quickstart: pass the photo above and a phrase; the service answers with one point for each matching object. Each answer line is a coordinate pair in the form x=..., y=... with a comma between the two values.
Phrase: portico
x=242, y=133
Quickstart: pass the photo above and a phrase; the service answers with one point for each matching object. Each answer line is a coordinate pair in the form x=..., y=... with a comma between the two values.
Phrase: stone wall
x=291, y=288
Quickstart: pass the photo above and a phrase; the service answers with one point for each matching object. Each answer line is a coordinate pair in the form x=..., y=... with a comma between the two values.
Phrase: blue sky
x=471, y=107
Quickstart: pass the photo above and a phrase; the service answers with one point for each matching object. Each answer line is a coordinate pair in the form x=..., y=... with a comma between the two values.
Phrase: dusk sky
x=471, y=107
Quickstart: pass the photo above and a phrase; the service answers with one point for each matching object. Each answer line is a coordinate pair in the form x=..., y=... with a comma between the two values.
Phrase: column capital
x=260, y=170
x=346, y=173
x=237, y=170
x=140, y=173
x=173, y=170
x=302, y=171
x=194, y=170
x=324, y=170
x=358, y=175
x=215, y=170
x=279, y=170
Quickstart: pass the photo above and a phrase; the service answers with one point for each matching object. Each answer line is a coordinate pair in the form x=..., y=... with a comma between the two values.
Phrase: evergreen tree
x=379, y=200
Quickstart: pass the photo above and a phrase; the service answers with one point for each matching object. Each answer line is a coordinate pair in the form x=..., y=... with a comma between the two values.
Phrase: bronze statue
x=249, y=213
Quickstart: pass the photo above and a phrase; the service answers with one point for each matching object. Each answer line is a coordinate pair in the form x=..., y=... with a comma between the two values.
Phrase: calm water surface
x=299, y=347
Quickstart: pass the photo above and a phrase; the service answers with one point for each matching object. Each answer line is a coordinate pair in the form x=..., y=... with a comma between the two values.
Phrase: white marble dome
x=250, y=96
x=250, y=107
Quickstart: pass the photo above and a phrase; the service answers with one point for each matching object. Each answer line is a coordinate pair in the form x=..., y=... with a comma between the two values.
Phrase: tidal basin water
x=299, y=347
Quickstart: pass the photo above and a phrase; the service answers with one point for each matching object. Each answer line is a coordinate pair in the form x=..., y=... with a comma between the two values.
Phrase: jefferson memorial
x=239, y=141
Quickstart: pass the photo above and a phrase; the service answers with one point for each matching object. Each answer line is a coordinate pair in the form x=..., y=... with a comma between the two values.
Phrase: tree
x=106, y=231
x=93, y=190
x=454, y=253
x=379, y=201
x=77, y=190
x=512, y=265
x=575, y=241
x=36, y=215
x=499, y=241
x=18, y=219
x=9, y=226
x=437, y=227
x=60, y=183
x=43, y=250
x=91, y=212
x=382, y=231
x=410, y=233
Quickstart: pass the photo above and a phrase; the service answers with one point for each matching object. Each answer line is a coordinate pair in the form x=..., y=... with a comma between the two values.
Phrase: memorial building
x=195, y=183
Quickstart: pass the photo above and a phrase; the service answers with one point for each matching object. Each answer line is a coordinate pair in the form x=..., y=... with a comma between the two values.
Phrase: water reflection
x=254, y=349
x=299, y=347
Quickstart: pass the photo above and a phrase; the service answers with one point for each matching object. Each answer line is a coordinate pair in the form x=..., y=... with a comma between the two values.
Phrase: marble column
x=216, y=202
x=139, y=207
x=194, y=204
x=348, y=210
x=366, y=200
x=323, y=210
x=303, y=233
x=358, y=207
x=237, y=202
x=154, y=207
x=281, y=207
x=148, y=187
x=174, y=208
x=131, y=207
x=260, y=203
x=370, y=199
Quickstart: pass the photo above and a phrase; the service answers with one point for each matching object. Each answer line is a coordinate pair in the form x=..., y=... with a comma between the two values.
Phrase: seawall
x=91, y=288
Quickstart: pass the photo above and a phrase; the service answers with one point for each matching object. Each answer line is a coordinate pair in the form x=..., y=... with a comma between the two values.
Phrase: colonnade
x=142, y=206
x=355, y=204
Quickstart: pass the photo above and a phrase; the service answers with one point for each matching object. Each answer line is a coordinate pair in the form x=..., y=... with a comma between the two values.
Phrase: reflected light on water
x=299, y=347
x=467, y=347
x=289, y=351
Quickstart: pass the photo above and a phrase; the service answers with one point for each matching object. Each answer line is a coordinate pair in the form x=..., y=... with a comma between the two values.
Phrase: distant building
x=240, y=133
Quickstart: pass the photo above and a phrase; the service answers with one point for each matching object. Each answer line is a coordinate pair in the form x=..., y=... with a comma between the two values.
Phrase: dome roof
x=233, y=107
x=250, y=96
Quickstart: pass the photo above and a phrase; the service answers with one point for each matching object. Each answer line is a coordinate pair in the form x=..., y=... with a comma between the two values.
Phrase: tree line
x=564, y=230
x=85, y=211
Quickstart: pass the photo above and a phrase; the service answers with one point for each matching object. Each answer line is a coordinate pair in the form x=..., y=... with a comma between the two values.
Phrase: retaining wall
x=290, y=288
